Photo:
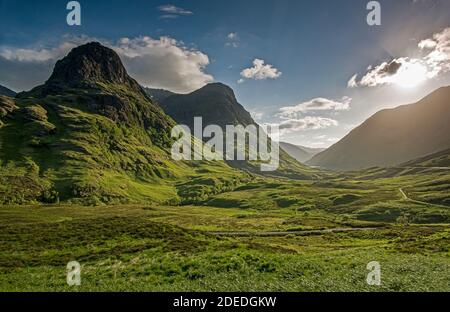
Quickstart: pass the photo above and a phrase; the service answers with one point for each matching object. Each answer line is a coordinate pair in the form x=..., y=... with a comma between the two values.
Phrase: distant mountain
x=158, y=95
x=393, y=136
x=312, y=150
x=7, y=92
x=92, y=135
x=301, y=153
x=217, y=104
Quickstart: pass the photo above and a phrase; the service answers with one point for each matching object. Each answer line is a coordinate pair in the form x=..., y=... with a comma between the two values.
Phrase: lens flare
x=410, y=75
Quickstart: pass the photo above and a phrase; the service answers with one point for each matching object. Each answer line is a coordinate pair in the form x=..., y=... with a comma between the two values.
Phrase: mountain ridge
x=393, y=136
x=158, y=95
x=215, y=102
x=7, y=92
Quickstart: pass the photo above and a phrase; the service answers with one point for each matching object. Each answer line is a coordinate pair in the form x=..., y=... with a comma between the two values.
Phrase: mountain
x=105, y=87
x=92, y=135
x=312, y=150
x=393, y=136
x=300, y=153
x=158, y=95
x=7, y=92
x=217, y=104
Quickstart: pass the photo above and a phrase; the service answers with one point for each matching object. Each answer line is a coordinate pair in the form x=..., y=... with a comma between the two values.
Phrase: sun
x=410, y=75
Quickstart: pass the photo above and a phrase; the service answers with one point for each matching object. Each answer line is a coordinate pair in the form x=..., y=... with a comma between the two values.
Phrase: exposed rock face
x=92, y=78
x=89, y=63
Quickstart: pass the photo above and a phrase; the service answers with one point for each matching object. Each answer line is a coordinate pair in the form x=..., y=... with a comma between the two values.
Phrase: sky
x=315, y=68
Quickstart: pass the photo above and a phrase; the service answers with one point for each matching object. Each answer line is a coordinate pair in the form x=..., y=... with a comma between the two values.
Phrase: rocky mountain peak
x=91, y=63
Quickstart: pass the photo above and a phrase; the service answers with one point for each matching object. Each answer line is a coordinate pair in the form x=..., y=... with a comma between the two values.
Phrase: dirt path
x=403, y=194
x=405, y=197
x=284, y=233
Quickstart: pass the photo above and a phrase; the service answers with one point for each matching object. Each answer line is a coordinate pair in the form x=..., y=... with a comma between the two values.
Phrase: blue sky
x=313, y=47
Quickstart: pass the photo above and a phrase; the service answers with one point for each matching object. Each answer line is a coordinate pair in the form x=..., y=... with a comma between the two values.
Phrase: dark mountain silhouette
x=7, y=92
x=158, y=95
x=393, y=136
x=215, y=102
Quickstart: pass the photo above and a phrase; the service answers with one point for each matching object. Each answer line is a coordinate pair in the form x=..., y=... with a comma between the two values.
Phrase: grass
x=83, y=155
x=99, y=187
x=167, y=248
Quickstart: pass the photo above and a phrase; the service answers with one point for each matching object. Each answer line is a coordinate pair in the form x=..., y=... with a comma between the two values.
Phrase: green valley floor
x=267, y=235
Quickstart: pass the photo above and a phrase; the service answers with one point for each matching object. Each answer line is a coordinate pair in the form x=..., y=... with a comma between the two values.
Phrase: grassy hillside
x=95, y=139
x=438, y=160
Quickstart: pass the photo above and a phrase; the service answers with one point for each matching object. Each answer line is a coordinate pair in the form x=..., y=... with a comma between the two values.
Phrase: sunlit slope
x=393, y=136
x=90, y=134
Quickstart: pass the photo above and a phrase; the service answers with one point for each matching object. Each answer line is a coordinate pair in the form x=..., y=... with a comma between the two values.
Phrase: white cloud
x=261, y=71
x=427, y=44
x=232, y=40
x=174, y=10
x=25, y=68
x=438, y=49
x=352, y=83
x=28, y=55
x=257, y=116
x=306, y=123
x=41, y=54
x=240, y=81
x=317, y=104
x=162, y=63
x=406, y=71
x=232, y=36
